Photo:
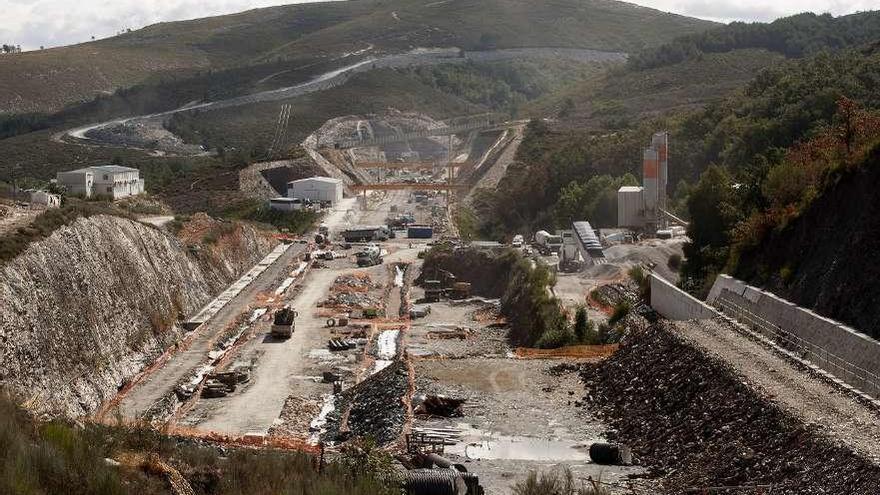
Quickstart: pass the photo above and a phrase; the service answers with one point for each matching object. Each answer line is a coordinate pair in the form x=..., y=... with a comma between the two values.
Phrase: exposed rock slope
x=89, y=307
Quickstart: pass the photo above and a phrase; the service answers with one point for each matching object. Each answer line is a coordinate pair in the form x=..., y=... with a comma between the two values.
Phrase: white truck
x=547, y=243
x=518, y=241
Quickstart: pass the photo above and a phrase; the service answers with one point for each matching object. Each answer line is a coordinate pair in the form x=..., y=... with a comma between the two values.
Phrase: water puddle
x=318, y=425
x=386, y=350
x=477, y=444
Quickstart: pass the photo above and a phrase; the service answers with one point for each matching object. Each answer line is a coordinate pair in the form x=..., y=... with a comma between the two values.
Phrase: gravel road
x=814, y=401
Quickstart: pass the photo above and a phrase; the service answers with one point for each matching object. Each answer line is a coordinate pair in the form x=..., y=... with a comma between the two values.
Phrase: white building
x=45, y=199
x=110, y=181
x=316, y=189
x=630, y=207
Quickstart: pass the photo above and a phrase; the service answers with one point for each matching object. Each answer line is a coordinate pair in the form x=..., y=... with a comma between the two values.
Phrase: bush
x=557, y=482
x=58, y=457
x=674, y=262
x=621, y=310
x=13, y=244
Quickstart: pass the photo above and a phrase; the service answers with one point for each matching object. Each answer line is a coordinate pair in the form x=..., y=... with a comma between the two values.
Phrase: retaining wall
x=675, y=304
x=840, y=341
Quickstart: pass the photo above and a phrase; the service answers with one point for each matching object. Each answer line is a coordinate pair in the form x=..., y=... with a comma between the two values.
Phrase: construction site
x=356, y=331
x=345, y=334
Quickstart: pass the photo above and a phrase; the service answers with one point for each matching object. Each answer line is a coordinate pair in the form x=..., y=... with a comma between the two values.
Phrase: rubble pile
x=351, y=300
x=354, y=283
x=296, y=415
x=694, y=422
x=373, y=408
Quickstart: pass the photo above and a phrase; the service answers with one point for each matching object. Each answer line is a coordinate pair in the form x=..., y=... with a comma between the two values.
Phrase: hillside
x=819, y=260
x=740, y=105
x=44, y=81
x=99, y=299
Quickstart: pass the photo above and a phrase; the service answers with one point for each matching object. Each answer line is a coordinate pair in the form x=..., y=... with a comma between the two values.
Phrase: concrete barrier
x=673, y=303
x=840, y=350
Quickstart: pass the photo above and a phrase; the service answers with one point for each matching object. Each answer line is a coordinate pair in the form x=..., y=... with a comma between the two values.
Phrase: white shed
x=316, y=189
x=630, y=207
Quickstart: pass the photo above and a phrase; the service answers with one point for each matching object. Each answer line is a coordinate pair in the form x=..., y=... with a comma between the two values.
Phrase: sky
x=35, y=23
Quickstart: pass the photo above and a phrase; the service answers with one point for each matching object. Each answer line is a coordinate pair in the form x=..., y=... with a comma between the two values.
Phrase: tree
x=713, y=212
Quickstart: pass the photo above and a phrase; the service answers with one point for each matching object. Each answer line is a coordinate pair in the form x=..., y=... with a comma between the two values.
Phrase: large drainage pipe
x=435, y=482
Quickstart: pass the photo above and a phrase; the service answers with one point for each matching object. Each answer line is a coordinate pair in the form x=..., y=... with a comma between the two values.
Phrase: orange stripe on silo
x=650, y=168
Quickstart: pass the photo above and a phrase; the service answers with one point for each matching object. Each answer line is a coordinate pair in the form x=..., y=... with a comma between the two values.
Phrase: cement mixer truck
x=547, y=243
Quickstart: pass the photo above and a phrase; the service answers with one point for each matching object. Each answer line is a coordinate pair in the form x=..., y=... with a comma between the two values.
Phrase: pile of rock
x=351, y=300
x=373, y=408
x=694, y=422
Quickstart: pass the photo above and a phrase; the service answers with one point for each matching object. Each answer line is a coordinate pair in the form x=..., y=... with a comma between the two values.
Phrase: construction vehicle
x=547, y=243
x=518, y=241
x=370, y=256
x=283, y=322
x=433, y=290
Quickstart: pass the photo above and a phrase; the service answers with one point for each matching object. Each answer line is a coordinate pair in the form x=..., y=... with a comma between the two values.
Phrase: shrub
x=557, y=482
x=674, y=262
x=621, y=310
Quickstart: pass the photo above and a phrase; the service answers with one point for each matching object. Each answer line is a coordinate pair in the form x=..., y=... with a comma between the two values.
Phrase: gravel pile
x=695, y=423
x=373, y=408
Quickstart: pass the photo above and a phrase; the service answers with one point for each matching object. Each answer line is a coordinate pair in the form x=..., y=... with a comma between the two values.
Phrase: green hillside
x=740, y=107
x=44, y=81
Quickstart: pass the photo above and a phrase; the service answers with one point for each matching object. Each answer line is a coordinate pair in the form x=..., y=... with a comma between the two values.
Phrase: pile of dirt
x=373, y=408
x=694, y=422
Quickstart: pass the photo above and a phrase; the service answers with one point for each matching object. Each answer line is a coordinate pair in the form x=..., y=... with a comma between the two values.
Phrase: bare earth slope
x=87, y=308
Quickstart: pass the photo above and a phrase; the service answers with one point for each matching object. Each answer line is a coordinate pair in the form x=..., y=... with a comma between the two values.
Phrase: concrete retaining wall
x=675, y=304
x=829, y=335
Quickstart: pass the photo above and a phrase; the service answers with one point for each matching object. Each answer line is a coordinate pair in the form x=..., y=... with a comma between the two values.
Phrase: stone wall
x=673, y=303
x=834, y=347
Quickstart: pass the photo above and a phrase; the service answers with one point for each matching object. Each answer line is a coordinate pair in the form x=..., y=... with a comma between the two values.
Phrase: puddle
x=386, y=350
x=317, y=426
x=387, y=344
x=477, y=444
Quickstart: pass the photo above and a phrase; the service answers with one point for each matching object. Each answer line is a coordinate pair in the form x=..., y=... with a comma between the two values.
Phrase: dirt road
x=812, y=400
x=158, y=384
x=293, y=367
x=279, y=367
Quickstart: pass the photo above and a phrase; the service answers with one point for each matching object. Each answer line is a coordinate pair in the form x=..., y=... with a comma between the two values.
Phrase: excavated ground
x=696, y=421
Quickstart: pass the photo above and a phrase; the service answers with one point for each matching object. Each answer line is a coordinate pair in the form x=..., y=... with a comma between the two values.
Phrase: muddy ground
x=519, y=414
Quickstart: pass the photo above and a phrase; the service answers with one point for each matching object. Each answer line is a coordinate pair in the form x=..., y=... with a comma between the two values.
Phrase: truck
x=547, y=243
x=420, y=232
x=518, y=241
x=366, y=233
x=283, y=322
x=370, y=256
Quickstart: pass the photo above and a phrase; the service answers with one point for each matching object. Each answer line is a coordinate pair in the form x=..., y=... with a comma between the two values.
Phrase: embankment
x=87, y=308
x=694, y=422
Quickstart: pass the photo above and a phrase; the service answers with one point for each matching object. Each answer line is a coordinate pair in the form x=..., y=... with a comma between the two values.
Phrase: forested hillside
x=597, y=138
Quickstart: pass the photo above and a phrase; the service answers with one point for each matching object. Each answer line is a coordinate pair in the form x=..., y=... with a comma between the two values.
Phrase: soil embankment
x=89, y=307
x=696, y=422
